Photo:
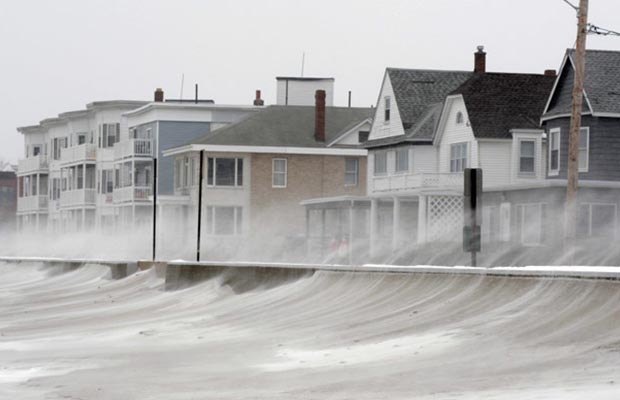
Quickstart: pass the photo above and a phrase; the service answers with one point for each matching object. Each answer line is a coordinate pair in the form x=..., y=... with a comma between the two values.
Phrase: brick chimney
x=319, y=116
x=550, y=72
x=159, y=95
x=480, y=61
x=258, y=101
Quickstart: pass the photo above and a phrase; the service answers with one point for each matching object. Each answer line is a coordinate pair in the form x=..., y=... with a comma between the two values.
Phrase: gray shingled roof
x=285, y=126
x=499, y=102
x=418, y=94
x=601, y=83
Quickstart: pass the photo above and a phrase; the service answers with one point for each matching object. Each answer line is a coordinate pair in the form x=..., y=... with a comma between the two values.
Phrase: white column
x=374, y=214
x=396, y=224
x=422, y=219
x=38, y=193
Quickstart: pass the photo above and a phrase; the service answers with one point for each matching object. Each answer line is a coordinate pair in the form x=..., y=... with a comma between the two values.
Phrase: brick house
x=259, y=170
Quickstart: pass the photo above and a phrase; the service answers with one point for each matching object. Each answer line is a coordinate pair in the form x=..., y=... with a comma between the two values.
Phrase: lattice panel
x=445, y=218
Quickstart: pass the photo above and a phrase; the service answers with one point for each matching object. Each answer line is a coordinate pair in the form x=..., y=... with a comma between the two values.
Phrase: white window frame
x=275, y=173
x=586, y=130
x=236, y=172
x=387, y=109
x=459, y=118
x=460, y=163
x=384, y=163
x=404, y=151
x=350, y=173
x=554, y=172
x=527, y=173
x=523, y=237
x=592, y=205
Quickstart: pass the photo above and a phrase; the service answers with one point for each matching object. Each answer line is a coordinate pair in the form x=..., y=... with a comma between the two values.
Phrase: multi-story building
x=8, y=200
x=92, y=168
x=257, y=172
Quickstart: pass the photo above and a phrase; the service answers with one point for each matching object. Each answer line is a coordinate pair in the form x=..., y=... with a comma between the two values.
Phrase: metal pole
x=575, y=124
x=200, y=177
x=154, y=206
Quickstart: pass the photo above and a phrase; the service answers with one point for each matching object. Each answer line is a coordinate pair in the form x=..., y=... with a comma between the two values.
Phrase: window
x=380, y=167
x=362, y=136
x=36, y=150
x=81, y=138
x=185, y=172
x=596, y=220
x=387, y=109
x=224, y=171
x=531, y=223
x=192, y=171
x=459, y=118
x=402, y=160
x=279, y=172
x=109, y=134
x=351, y=167
x=554, y=151
x=584, y=144
x=224, y=220
x=526, y=156
x=458, y=157
x=178, y=172
x=107, y=180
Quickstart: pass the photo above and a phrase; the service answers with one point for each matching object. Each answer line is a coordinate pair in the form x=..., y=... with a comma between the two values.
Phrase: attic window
x=387, y=110
x=459, y=118
x=363, y=136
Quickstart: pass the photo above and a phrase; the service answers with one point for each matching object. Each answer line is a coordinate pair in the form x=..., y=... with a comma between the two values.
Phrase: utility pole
x=575, y=124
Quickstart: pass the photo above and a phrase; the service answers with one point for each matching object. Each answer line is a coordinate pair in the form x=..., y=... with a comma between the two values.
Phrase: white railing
x=82, y=152
x=32, y=203
x=29, y=164
x=105, y=199
x=132, y=193
x=133, y=148
x=78, y=198
x=394, y=183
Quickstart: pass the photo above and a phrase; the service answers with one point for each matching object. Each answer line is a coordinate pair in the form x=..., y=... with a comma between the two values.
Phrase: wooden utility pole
x=575, y=123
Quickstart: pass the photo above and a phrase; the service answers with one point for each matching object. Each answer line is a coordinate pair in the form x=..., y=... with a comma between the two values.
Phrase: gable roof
x=418, y=94
x=499, y=102
x=601, y=84
x=285, y=126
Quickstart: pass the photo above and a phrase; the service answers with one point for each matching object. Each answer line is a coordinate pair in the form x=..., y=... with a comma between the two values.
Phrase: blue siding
x=604, y=152
x=173, y=134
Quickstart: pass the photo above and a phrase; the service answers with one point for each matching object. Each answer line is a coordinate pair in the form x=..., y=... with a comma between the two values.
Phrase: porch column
x=38, y=185
x=351, y=230
x=307, y=231
x=323, y=241
x=396, y=224
x=422, y=200
x=374, y=213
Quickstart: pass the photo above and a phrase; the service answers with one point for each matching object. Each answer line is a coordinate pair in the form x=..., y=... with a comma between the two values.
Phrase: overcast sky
x=59, y=55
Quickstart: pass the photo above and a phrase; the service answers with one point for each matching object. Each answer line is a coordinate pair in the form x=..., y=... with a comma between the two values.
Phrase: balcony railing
x=32, y=203
x=394, y=183
x=132, y=193
x=133, y=148
x=80, y=153
x=31, y=164
x=78, y=198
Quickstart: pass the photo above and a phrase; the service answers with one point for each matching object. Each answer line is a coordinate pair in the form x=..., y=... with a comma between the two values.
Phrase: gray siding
x=604, y=152
x=174, y=134
x=563, y=95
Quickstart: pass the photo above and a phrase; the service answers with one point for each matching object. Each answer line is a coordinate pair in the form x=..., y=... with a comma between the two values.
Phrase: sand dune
x=336, y=335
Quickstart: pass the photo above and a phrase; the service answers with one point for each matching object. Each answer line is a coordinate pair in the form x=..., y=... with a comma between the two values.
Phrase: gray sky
x=59, y=55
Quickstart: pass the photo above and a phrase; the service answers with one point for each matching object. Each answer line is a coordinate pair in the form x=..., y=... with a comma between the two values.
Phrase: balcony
x=32, y=164
x=86, y=152
x=133, y=148
x=31, y=203
x=78, y=198
x=131, y=194
x=395, y=183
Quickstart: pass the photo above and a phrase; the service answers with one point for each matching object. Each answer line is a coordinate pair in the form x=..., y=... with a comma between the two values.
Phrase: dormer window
x=459, y=118
x=387, y=109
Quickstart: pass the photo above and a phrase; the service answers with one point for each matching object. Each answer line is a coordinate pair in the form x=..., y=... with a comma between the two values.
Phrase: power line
x=597, y=30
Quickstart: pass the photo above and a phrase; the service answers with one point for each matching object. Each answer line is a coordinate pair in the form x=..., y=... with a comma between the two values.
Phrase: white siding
x=352, y=137
x=424, y=159
x=453, y=133
x=495, y=162
x=394, y=126
x=301, y=92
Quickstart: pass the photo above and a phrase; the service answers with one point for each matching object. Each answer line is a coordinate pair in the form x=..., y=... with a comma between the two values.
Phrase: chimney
x=319, y=116
x=159, y=95
x=258, y=101
x=549, y=72
x=480, y=61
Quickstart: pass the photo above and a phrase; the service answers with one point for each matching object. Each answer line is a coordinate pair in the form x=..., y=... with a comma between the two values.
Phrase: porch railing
x=30, y=164
x=78, y=198
x=32, y=203
x=394, y=183
x=132, y=193
x=133, y=148
x=82, y=152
